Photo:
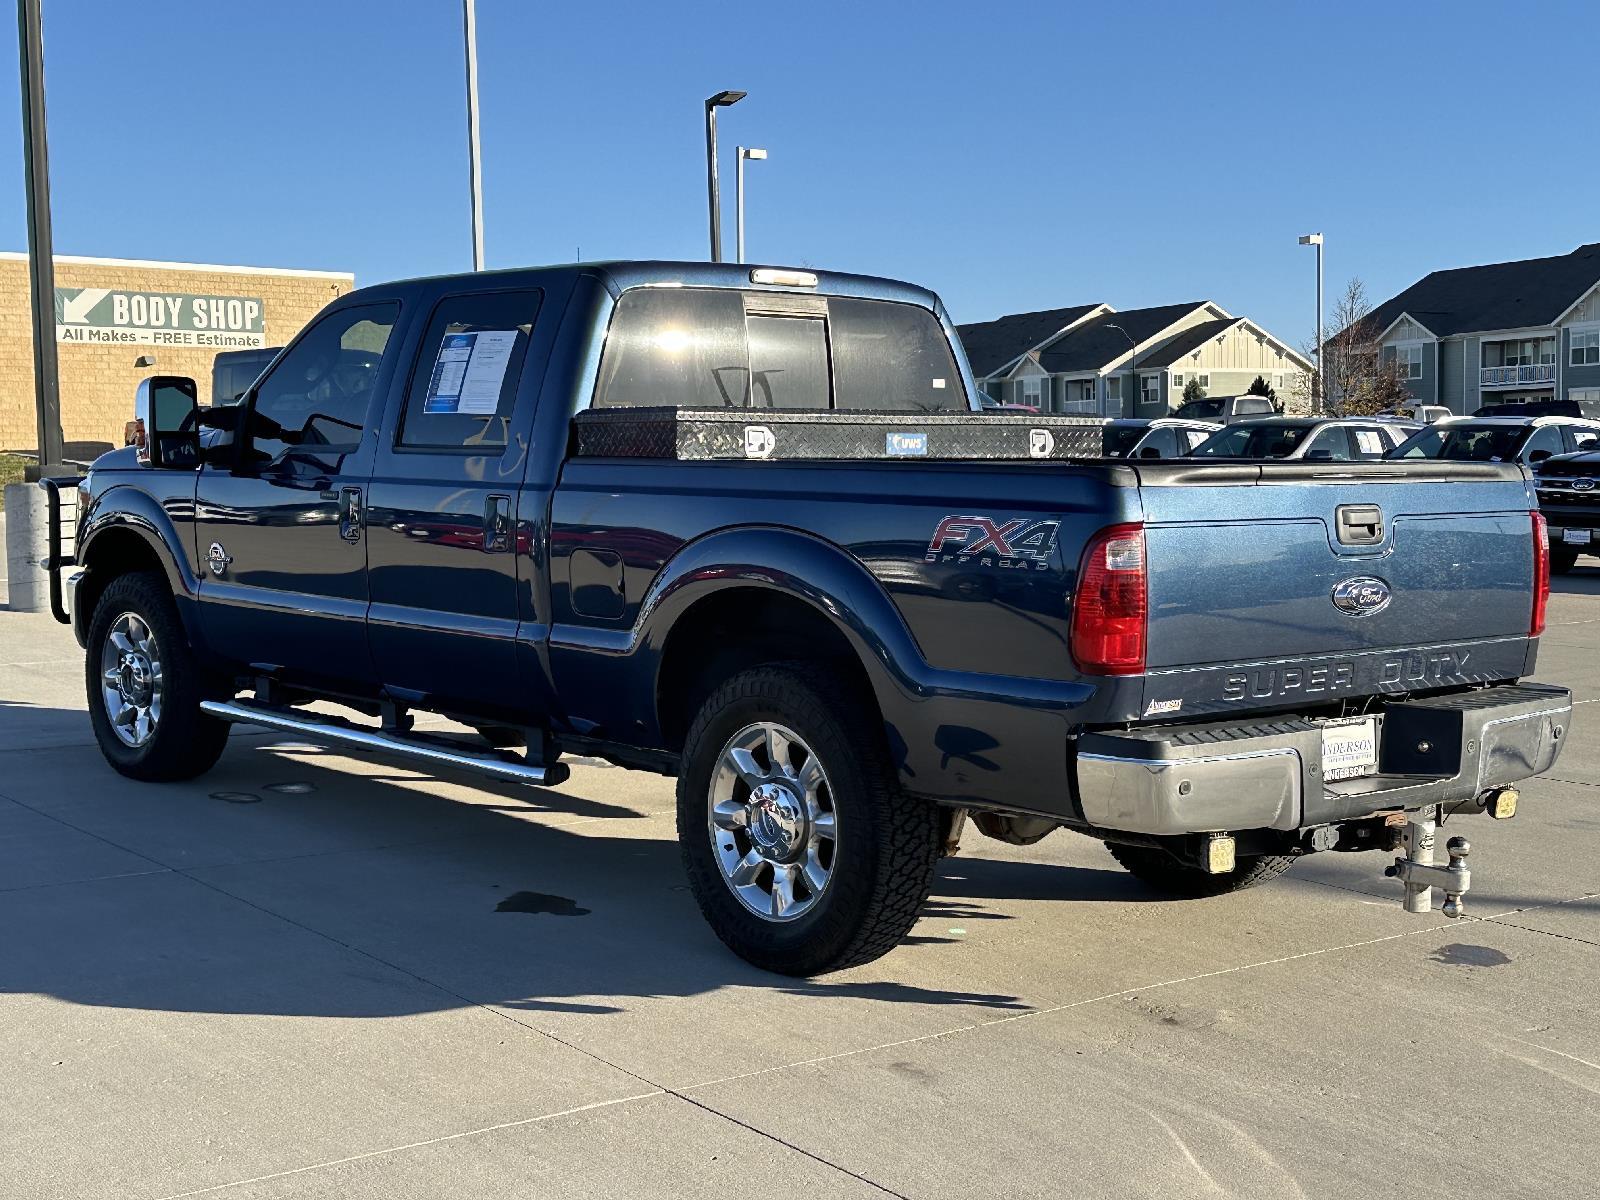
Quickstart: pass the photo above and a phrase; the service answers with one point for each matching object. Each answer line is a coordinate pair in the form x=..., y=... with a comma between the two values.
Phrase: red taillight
x=1108, y=613
x=1541, y=573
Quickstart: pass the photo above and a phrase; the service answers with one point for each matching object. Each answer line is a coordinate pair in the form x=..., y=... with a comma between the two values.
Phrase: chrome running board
x=418, y=748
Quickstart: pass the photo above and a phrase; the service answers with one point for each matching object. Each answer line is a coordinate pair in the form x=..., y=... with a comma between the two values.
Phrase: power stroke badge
x=1019, y=544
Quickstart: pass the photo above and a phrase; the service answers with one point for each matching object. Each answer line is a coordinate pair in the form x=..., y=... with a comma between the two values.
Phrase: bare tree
x=1355, y=381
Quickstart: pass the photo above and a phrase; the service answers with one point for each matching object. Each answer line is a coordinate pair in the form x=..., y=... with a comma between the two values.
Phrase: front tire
x=800, y=848
x=1166, y=874
x=145, y=685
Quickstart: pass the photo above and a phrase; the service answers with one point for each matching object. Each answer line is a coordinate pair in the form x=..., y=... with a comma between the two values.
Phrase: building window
x=1177, y=382
x=1114, y=388
x=1205, y=381
x=1030, y=392
x=1585, y=347
x=1150, y=389
x=1409, y=359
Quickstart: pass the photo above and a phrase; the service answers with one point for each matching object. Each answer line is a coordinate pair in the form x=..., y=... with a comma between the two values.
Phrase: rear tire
x=803, y=853
x=1562, y=559
x=145, y=685
x=1166, y=874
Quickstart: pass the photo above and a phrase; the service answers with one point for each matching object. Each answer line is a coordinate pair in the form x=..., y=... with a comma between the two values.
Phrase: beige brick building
x=110, y=312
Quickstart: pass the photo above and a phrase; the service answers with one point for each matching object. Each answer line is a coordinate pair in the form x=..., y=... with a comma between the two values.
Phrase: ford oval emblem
x=1362, y=596
x=1582, y=485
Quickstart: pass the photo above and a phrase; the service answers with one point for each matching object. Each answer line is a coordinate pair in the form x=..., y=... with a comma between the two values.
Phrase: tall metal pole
x=738, y=205
x=713, y=191
x=1322, y=341
x=469, y=21
x=41, y=253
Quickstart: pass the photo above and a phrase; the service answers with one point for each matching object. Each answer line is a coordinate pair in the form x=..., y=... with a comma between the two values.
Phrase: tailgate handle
x=1359, y=524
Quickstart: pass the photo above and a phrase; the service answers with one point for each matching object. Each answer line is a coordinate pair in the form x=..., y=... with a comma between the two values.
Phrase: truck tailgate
x=1258, y=598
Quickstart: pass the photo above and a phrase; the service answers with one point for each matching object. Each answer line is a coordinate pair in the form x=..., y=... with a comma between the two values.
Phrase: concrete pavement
x=312, y=975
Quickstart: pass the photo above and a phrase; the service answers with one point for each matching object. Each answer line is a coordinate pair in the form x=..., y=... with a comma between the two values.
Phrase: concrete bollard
x=27, y=527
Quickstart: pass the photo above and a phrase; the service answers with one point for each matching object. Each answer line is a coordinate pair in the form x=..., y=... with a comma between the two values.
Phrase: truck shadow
x=1580, y=581
x=370, y=895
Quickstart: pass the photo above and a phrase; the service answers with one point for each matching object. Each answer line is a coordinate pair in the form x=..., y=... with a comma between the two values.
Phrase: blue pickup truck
x=744, y=527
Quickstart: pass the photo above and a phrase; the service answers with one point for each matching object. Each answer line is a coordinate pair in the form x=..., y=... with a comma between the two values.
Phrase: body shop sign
x=104, y=317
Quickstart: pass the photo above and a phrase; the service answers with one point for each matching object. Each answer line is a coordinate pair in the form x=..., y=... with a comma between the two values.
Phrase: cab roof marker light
x=780, y=278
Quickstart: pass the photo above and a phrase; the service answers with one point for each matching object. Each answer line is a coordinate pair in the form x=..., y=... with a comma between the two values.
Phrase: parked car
x=1154, y=437
x=233, y=371
x=1500, y=439
x=549, y=505
x=1542, y=408
x=1318, y=438
x=1223, y=409
x=1569, y=496
x=1427, y=414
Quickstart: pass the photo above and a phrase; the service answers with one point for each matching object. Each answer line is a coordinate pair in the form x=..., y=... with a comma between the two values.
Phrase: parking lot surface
x=308, y=974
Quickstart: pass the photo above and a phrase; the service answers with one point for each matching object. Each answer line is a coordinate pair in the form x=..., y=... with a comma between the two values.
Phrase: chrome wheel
x=771, y=821
x=130, y=679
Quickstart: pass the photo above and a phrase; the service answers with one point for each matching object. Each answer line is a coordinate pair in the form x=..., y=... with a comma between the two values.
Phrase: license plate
x=1349, y=748
x=1575, y=537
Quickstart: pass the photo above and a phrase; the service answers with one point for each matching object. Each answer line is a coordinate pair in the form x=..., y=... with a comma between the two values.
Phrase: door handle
x=350, y=514
x=497, y=523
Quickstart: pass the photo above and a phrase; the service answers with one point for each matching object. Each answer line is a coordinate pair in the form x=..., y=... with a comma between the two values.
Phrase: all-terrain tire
x=1166, y=874
x=887, y=843
x=184, y=741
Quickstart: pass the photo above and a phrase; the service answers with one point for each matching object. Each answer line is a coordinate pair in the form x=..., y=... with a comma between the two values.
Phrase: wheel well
x=737, y=629
x=115, y=552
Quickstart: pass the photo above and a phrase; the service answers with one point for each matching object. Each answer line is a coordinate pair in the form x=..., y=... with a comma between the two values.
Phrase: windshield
x=1200, y=410
x=1254, y=441
x=1119, y=440
x=1464, y=443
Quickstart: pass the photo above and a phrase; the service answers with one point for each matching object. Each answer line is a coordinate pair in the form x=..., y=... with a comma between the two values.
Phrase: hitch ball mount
x=1420, y=874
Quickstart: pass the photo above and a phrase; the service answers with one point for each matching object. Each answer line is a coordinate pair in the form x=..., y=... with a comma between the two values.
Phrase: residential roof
x=1187, y=342
x=991, y=345
x=1092, y=345
x=1509, y=295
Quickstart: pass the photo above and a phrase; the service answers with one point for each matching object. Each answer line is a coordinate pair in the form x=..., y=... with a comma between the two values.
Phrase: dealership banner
x=108, y=317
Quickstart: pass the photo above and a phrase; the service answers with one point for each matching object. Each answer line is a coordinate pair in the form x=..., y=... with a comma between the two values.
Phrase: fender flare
x=130, y=511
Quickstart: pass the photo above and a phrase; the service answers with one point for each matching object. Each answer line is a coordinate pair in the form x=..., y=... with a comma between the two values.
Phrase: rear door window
x=1579, y=438
x=1330, y=443
x=464, y=383
x=1371, y=443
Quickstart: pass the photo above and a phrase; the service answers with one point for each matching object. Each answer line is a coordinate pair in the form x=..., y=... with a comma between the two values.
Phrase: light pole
x=41, y=255
x=1315, y=239
x=469, y=31
x=738, y=196
x=720, y=100
x=1133, y=348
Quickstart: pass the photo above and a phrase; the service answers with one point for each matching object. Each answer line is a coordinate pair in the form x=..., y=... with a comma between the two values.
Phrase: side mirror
x=1540, y=455
x=165, y=430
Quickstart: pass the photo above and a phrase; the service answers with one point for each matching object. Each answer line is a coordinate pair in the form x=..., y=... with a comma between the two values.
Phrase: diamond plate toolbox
x=708, y=434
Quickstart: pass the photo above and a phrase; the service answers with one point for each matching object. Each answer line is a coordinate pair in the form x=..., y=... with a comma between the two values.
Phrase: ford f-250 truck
x=735, y=525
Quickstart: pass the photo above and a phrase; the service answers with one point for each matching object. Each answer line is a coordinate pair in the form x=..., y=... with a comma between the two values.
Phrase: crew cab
x=1223, y=409
x=745, y=527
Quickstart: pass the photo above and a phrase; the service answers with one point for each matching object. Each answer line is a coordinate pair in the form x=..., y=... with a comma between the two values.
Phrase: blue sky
x=1011, y=156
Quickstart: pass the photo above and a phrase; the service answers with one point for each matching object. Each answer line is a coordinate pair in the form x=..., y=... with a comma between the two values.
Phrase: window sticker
x=469, y=372
x=1370, y=441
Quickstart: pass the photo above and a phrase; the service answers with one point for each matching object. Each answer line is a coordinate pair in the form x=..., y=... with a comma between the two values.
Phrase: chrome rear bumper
x=1267, y=774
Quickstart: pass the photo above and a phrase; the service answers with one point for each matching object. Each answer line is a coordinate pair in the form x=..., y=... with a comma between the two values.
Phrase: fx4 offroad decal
x=1019, y=545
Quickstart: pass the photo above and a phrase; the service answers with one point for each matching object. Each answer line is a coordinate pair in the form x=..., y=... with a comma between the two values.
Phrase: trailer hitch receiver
x=1420, y=874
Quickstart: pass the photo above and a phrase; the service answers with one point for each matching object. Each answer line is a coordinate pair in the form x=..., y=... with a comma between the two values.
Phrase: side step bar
x=415, y=747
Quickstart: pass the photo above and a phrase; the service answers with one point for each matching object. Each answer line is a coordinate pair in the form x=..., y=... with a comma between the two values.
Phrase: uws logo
x=1015, y=545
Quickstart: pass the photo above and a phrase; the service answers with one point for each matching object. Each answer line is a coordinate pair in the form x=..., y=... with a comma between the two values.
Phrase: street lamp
x=469, y=33
x=738, y=194
x=41, y=257
x=720, y=100
x=1315, y=239
x=1133, y=348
